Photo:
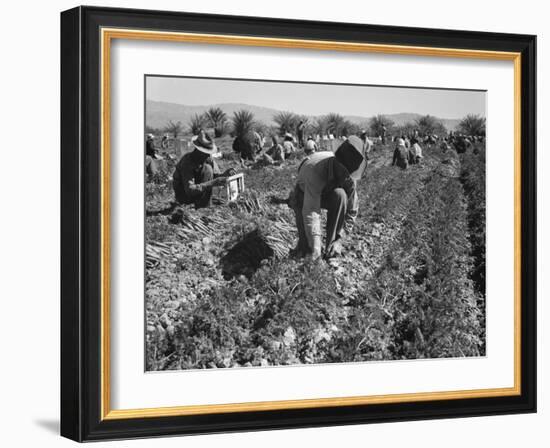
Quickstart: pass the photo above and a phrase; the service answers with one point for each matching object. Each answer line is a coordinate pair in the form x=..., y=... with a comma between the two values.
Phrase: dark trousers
x=335, y=202
x=200, y=199
x=301, y=141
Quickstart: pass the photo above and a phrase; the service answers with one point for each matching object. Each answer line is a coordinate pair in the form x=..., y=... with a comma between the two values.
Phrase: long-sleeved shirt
x=400, y=156
x=187, y=176
x=319, y=173
x=150, y=149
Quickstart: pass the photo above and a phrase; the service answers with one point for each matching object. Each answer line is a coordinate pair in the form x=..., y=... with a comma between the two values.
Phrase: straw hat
x=204, y=143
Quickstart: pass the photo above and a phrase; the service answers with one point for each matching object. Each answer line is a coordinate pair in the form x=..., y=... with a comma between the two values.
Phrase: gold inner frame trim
x=107, y=35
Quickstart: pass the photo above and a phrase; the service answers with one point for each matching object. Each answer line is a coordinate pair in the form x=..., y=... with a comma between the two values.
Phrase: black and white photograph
x=275, y=224
x=305, y=223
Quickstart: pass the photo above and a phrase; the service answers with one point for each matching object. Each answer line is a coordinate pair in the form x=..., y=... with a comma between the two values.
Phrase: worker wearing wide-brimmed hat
x=196, y=173
x=327, y=180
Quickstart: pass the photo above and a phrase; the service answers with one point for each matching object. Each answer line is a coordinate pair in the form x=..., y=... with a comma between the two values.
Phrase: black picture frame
x=81, y=223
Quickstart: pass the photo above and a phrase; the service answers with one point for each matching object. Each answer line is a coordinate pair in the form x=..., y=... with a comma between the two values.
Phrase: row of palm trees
x=471, y=124
x=243, y=121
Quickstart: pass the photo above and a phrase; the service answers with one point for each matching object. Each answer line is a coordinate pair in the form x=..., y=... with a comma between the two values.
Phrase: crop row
x=421, y=302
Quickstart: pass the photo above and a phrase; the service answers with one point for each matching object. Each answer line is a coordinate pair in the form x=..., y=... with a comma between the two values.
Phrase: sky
x=317, y=99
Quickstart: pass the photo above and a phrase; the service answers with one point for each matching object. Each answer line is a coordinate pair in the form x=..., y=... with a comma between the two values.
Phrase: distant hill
x=158, y=114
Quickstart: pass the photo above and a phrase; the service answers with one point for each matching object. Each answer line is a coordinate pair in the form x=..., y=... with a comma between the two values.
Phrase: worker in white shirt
x=327, y=180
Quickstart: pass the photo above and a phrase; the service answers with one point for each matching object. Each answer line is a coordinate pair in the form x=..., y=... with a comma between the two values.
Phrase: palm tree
x=378, y=123
x=286, y=121
x=350, y=128
x=472, y=125
x=261, y=127
x=335, y=124
x=197, y=122
x=429, y=124
x=174, y=128
x=217, y=118
x=243, y=122
x=321, y=125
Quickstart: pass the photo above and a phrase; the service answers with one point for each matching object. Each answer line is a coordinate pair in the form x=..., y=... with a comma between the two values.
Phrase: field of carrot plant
x=222, y=291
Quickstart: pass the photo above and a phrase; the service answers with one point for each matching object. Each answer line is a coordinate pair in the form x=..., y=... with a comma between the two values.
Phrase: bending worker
x=150, y=149
x=327, y=180
x=196, y=173
x=401, y=155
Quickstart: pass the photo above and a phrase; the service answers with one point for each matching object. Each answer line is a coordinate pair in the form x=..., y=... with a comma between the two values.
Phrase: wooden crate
x=233, y=188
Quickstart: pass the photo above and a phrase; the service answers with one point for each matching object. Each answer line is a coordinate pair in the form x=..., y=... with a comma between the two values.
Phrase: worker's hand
x=230, y=172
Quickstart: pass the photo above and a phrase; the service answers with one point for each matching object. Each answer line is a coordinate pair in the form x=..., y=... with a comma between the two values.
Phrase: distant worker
x=460, y=143
x=430, y=140
x=311, y=146
x=150, y=149
x=150, y=156
x=164, y=142
x=384, y=131
x=368, y=144
x=417, y=153
x=196, y=173
x=288, y=144
x=401, y=155
x=300, y=132
x=327, y=180
x=411, y=155
x=248, y=145
x=275, y=153
x=258, y=142
x=406, y=140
